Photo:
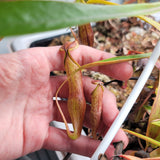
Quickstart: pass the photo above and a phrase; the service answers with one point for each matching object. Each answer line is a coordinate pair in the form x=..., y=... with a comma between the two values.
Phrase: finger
x=110, y=110
x=109, y=107
x=83, y=55
x=121, y=71
x=121, y=136
x=58, y=140
x=56, y=82
x=109, y=113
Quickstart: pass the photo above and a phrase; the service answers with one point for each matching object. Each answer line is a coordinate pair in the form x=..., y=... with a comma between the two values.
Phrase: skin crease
x=26, y=105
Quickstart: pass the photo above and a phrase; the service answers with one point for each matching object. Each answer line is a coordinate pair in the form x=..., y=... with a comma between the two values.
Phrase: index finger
x=121, y=71
x=83, y=55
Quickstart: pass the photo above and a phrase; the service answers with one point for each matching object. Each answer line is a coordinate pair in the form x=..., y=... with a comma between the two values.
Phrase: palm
x=39, y=108
x=33, y=104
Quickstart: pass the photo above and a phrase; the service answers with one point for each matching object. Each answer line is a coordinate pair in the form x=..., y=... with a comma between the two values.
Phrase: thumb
x=57, y=139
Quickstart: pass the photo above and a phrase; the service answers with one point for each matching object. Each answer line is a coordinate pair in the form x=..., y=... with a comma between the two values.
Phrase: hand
x=27, y=108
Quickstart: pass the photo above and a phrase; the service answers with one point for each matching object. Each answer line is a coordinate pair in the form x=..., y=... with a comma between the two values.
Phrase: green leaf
x=21, y=17
x=113, y=60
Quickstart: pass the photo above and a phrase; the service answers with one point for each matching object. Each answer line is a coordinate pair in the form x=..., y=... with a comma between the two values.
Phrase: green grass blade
x=114, y=60
x=21, y=17
x=148, y=139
